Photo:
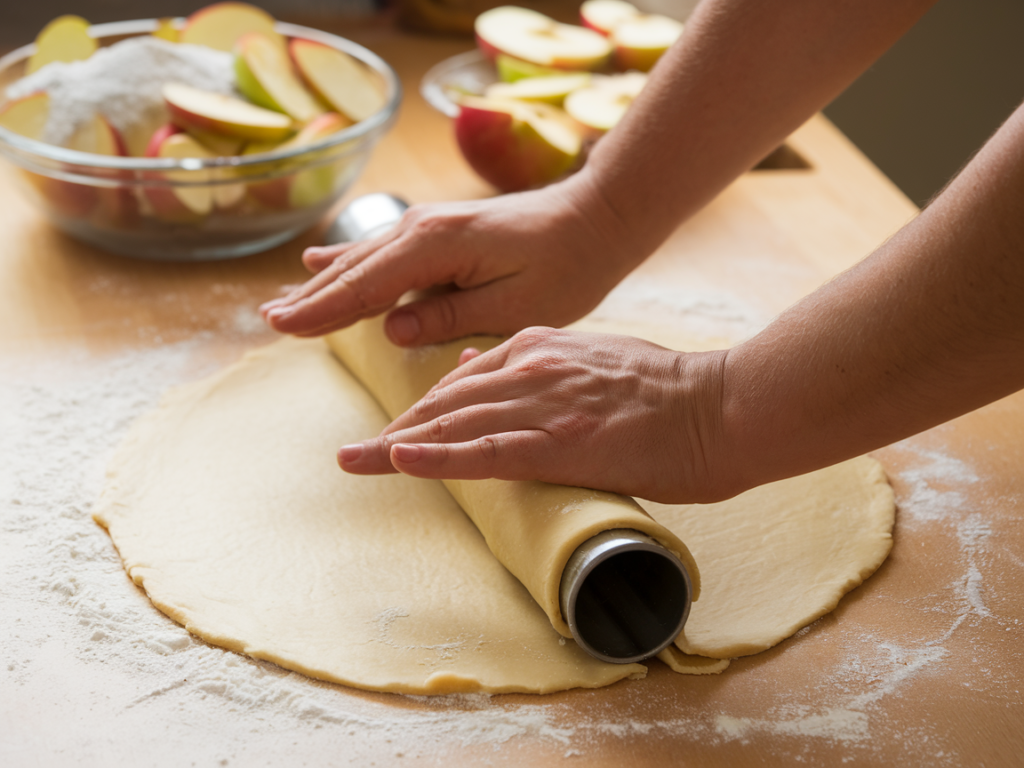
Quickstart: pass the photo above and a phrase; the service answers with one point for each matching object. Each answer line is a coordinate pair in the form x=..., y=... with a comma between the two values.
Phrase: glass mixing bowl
x=108, y=201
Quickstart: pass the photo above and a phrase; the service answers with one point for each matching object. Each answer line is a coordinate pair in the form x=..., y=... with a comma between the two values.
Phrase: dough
x=532, y=528
x=227, y=507
x=778, y=557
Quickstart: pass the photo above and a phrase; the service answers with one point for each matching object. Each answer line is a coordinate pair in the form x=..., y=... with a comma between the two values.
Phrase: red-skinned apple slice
x=515, y=145
x=214, y=112
x=179, y=204
x=338, y=79
x=27, y=117
x=99, y=137
x=299, y=189
x=66, y=38
x=604, y=15
x=220, y=25
x=600, y=106
x=640, y=42
x=266, y=78
x=550, y=90
x=538, y=39
x=187, y=203
x=117, y=205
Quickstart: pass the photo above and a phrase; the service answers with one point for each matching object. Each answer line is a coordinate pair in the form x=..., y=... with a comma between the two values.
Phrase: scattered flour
x=123, y=83
x=72, y=615
x=701, y=313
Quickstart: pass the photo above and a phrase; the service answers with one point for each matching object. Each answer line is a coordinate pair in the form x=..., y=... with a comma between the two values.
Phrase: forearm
x=929, y=327
x=745, y=74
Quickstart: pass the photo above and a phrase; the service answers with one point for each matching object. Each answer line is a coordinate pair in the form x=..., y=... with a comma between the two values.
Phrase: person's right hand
x=545, y=257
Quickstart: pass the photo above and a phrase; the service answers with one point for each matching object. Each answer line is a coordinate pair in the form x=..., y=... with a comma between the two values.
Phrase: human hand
x=546, y=256
x=608, y=412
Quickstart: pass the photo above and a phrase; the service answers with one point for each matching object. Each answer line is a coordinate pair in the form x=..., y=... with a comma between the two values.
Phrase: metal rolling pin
x=624, y=596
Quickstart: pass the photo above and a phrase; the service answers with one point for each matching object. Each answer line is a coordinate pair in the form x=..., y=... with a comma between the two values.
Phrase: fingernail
x=268, y=305
x=349, y=454
x=403, y=327
x=277, y=313
x=406, y=454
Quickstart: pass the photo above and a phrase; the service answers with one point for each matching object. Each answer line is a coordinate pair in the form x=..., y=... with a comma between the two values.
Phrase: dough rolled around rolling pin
x=531, y=527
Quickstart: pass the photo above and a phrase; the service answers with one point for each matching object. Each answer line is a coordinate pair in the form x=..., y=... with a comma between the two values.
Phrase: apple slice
x=117, y=206
x=641, y=41
x=66, y=38
x=180, y=204
x=27, y=117
x=604, y=15
x=217, y=113
x=99, y=137
x=187, y=203
x=538, y=39
x=166, y=30
x=600, y=106
x=516, y=145
x=265, y=77
x=550, y=90
x=511, y=69
x=309, y=185
x=220, y=25
x=338, y=79
x=220, y=145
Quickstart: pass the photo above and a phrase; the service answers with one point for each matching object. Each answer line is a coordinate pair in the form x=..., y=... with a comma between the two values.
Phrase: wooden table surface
x=919, y=666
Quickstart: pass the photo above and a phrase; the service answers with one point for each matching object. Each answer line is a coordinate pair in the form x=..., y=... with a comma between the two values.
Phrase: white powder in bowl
x=123, y=83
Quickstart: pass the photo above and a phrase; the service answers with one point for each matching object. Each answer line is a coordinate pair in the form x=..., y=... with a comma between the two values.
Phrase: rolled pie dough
x=227, y=507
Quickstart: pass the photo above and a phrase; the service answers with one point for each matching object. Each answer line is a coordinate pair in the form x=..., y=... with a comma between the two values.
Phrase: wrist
x=619, y=241
x=714, y=473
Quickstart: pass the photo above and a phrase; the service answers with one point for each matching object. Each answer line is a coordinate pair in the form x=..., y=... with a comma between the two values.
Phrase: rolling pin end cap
x=624, y=596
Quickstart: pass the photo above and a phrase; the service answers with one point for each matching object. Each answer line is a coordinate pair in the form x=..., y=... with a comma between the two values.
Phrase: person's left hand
x=608, y=412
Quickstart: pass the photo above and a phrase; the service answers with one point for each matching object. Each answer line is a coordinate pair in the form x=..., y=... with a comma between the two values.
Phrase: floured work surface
x=227, y=508
x=919, y=667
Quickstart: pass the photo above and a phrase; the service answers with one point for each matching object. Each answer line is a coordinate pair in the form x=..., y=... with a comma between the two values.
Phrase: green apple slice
x=550, y=90
x=338, y=78
x=265, y=77
x=511, y=69
x=66, y=38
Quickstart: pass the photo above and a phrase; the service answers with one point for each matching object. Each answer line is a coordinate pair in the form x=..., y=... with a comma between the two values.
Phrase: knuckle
x=445, y=314
x=487, y=448
x=442, y=428
x=351, y=281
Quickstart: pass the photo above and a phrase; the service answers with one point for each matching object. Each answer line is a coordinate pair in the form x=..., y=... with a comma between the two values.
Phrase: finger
x=475, y=383
x=449, y=316
x=507, y=456
x=469, y=353
x=341, y=294
x=371, y=457
x=330, y=262
x=318, y=258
